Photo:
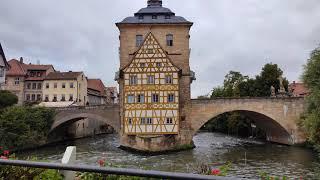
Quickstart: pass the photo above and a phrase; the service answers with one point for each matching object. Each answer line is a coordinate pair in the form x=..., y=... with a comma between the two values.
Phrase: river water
x=248, y=157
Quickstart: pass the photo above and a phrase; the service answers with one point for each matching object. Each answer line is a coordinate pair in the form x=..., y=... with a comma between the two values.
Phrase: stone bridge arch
x=106, y=114
x=278, y=117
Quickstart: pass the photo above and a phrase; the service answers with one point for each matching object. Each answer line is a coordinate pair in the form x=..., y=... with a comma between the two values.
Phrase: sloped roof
x=63, y=75
x=37, y=67
x=3, y=56
x=16, y=68
x=96, y=84
x=20, y=69
x=164, y=15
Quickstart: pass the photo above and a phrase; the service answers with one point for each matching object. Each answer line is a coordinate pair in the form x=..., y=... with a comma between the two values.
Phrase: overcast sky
x=240, y=35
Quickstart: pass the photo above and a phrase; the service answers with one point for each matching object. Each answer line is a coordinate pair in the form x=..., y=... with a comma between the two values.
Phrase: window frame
x=169, y=39
x=171, y=100
x=155, y=98
x=169, y=120
x=17, y=81
x=168, y=79
x=139, y=40
x=133, y=80
x=150, y=79
x=140, y=98
x=131, y=99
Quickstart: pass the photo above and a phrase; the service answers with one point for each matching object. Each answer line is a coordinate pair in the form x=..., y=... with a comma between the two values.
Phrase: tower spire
x=154, y=3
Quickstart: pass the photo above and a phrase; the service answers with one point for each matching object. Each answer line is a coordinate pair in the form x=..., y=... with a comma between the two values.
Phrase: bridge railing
x=110, y=171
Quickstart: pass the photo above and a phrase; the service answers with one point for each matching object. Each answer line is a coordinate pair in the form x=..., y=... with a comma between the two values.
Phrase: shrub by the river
x=24, y=127
x=7, y=99
x=25, y=173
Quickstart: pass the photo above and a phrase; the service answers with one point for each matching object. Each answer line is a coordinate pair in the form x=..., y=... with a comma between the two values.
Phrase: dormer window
x=167, y=17
x=140, y=17
x=154, y=17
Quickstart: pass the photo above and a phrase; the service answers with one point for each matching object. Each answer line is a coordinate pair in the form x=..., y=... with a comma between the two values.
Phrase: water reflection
x=248, y=157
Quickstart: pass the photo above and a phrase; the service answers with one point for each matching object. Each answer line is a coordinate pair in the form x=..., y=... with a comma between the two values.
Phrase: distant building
x=298, y=89
x=25, y=80
x=112, y=95
x=34, y=81
x=3, y=67
x=65, y=87
x=96, y=93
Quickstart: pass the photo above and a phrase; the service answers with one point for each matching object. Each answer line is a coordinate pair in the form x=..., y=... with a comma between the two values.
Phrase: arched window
x=169, y=40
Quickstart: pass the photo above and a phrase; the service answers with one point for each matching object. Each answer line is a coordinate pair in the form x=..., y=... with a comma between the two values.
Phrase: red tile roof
x=299, y=89
x=96, y=84
x=16, y=68
x=63, y=75
x=37, y=67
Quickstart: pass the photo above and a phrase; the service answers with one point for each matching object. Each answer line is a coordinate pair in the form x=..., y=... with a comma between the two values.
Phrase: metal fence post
x=69, y=157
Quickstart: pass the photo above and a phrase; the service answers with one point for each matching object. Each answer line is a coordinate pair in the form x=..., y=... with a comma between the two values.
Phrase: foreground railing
x=109, y=171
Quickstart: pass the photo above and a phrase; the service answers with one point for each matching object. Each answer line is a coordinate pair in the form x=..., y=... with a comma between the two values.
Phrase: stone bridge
x=277, y=116
x=109, y=114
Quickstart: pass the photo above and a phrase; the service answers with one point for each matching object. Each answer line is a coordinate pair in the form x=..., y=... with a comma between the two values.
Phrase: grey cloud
x=227, y=34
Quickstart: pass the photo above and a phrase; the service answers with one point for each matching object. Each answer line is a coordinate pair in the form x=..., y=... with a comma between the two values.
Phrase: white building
x=3, y=67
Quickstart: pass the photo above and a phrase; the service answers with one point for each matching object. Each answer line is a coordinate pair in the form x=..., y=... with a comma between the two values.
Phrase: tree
x=7, y=99
x=268, y=77
x=311, y=78
x=218, y=92
x=231, y=83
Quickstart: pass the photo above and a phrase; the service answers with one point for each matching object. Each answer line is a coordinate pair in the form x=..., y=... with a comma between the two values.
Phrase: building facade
x=154, y=77
x=35, y=75
x=26, y=80
x=4, y=66
x=96, y=92
x=65, y=87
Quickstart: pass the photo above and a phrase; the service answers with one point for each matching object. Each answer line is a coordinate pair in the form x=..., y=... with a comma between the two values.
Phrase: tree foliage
x=237, y=85
x=7, y=99
x=24, y=127
x=311, y=78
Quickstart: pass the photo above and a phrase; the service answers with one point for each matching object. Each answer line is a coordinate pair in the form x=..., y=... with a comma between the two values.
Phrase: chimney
x=21, y=60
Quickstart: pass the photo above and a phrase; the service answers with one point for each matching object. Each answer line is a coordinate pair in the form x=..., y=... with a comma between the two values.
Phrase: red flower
x=102, y=162
x=1, y=147
x=6, y=153
x=3, y=157
x=215, y=172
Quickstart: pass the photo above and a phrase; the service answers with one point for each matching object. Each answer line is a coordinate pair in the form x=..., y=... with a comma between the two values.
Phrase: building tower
x=154, y=78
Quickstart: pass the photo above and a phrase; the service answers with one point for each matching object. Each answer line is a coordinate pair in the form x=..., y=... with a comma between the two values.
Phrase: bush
x=24, y=127
x=7, y=99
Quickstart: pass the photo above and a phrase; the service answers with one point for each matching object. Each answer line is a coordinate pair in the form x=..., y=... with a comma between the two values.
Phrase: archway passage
x=255, y=123
x=82, y=125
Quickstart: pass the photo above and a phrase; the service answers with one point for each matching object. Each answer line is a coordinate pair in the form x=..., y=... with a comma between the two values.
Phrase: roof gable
x=152, y=56
x=96, y=84
x=3, y=57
